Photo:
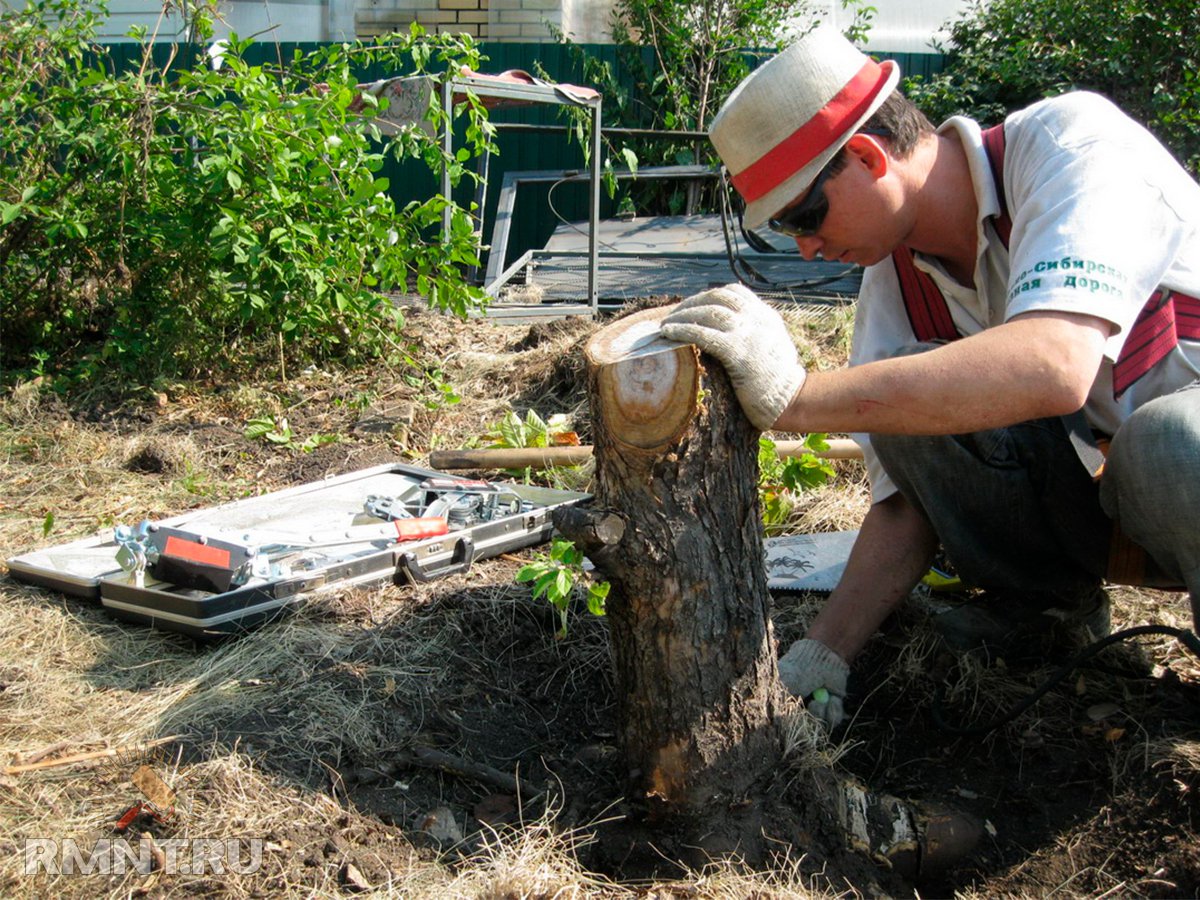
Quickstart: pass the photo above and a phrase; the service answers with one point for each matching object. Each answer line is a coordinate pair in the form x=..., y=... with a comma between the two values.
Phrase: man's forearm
x=895, y=547
x=1032, y=367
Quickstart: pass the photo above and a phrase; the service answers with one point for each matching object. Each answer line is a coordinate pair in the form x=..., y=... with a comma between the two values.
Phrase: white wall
x=275, y=20
x=901, y=26
x=283, y=20
x=588, y=21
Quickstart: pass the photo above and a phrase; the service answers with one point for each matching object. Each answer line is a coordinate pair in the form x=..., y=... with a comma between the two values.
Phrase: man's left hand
x=751, y=341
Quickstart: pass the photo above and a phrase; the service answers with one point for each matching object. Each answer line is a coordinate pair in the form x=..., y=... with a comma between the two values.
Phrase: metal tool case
x=290, y=544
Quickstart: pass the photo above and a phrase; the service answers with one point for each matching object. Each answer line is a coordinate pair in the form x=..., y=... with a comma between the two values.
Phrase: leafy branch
x=558, y=575
x=780, y=480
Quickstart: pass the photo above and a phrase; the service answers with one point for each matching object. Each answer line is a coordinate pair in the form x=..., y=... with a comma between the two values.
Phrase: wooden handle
x=548, y=457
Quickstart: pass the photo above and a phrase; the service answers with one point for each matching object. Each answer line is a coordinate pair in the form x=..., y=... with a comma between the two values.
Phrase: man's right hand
x=812, y=671
x=751, y=341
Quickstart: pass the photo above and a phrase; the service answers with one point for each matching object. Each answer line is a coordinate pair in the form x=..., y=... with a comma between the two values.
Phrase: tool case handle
x=410, y=569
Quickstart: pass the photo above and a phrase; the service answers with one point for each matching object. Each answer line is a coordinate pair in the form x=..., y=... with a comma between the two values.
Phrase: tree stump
x=677, y=463
x=676, y=529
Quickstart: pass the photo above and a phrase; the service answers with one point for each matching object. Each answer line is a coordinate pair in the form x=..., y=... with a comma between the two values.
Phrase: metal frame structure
x=534, y=93
x=498, y=274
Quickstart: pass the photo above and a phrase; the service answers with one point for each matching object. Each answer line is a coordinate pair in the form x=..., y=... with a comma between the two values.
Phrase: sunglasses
x=805, y=218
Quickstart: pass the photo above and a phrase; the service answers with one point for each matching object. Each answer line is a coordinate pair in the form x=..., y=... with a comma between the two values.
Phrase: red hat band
x=800, y=147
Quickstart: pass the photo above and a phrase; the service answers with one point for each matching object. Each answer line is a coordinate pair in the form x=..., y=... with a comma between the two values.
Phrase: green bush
x=1142, y=54
x=180, y=218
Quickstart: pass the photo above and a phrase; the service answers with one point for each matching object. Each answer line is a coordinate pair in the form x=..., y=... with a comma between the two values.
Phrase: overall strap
x=1166, y=317
x=928, y=313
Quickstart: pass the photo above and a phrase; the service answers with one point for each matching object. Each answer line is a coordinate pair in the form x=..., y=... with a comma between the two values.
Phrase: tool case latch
x=410, y=569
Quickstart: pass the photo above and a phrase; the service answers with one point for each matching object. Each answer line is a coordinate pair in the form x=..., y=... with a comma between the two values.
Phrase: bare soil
x=370, y=740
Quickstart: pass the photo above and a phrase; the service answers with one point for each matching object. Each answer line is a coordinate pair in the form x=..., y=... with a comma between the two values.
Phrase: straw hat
x=785, y=121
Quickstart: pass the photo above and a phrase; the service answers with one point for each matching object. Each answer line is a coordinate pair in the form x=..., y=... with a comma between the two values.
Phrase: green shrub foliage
x=1142, y=54
x=177, y=217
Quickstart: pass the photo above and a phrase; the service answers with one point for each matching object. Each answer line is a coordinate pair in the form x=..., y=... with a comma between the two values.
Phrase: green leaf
x=529, y=572
x=537, y=432
x=596, y=598
x=563, y=582
x=512, y=431
x=544, y=582
x=631, y=159
x=257, y=430
x=319, y=440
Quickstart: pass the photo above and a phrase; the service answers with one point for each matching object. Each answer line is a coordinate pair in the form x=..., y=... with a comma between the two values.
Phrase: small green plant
x=436, y=390
x=557, y=574
x=273, y=429
x=513, y=432
x=358, y=401
x=779, y=480
x=313, y=441
x=276, y=430
x=193, y=481
x=532, y=431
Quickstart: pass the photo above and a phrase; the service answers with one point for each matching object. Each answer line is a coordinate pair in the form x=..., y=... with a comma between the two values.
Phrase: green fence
x=537, y=213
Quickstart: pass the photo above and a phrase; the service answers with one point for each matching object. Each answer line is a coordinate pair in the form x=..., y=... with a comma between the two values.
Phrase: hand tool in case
x=219, y=571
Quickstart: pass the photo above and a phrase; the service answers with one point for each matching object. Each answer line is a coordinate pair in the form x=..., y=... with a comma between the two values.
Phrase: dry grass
x=279, y=734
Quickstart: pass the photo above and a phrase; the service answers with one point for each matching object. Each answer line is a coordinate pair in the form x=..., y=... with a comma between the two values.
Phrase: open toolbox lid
x=223, y=569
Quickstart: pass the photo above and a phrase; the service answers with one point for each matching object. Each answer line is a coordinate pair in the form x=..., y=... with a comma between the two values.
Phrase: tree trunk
x=676, y=529
x=689, y=608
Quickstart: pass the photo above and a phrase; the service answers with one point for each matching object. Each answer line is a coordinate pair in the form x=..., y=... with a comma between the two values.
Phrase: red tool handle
x=415, y=529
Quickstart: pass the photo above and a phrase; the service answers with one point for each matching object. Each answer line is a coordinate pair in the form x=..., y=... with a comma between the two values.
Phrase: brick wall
x=491, y=20
x=523, y=20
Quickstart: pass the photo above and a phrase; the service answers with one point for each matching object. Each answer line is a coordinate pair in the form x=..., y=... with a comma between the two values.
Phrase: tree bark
x=689, y=610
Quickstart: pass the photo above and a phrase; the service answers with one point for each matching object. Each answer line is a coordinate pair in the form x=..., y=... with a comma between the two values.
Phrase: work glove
x=814, y=672
x=751, y=341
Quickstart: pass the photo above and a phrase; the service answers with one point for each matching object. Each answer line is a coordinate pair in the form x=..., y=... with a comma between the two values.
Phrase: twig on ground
x=90, y=755
x=455, y=765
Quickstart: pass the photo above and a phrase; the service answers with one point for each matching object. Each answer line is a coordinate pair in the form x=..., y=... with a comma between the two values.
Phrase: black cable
x=740, y=265
x=1187, y=638
x=550, y=202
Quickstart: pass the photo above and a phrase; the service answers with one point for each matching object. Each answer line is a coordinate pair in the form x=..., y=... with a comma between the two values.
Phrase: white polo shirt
x=1102, y=216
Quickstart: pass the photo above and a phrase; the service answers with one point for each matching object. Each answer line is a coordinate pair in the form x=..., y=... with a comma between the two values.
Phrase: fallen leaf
x=1113, y=735
x=354, y=879
x=1099, y=711
x=154, y=788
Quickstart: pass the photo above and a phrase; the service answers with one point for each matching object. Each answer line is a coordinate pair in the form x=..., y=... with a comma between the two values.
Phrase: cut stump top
x=648, y=385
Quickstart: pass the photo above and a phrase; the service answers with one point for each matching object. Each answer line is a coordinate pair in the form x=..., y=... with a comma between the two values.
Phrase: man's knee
x=1151, y=483
x=1162, y=438
x=1154, y=459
